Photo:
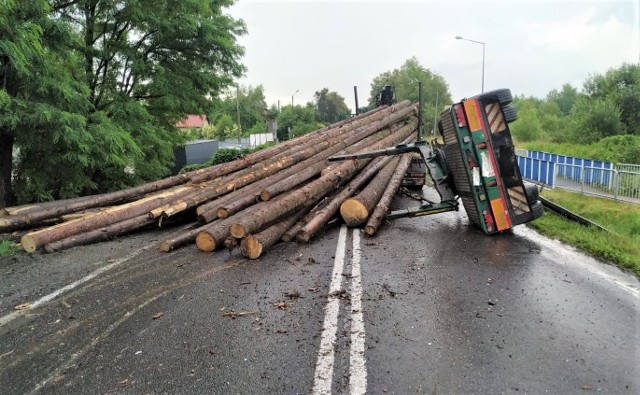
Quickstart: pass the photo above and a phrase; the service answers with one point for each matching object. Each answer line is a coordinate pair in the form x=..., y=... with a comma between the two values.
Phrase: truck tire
x=537, y=209
x=510, y=114
x=503, y=96
x=532, y=193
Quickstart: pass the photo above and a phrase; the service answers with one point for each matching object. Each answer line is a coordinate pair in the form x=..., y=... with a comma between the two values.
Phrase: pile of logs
x=286, y=192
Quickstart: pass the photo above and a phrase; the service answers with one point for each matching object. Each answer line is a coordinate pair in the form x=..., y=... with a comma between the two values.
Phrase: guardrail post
x=616, y=182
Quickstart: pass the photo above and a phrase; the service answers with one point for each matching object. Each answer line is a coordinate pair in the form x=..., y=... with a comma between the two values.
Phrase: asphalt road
x=430, y=305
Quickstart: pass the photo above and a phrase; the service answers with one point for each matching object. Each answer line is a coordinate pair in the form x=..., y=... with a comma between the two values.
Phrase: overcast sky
x=531, y=46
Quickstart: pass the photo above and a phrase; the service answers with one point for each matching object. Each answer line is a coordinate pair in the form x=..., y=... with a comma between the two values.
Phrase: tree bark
x=356, y=210
x=34, y=240
x=309, y=229
x=6, y=167
x=253, y=246
x=305, y=171
x=315, y=190
x=296, y=155
x=68, y=206
x=180, y=240
x=385, y=201
x=101, y=234
x=213, y=235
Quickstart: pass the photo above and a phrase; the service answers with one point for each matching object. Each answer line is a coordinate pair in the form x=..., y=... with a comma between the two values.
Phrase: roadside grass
x=8, y=248
x=621, y=245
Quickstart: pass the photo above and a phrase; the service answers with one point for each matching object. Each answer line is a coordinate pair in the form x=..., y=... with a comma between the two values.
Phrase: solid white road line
x=324, y=366
x=47, y=298
x=357, y=368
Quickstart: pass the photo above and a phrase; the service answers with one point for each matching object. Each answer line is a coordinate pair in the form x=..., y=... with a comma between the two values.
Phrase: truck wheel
x=537, y=209
x=510, y=114
x=532, y=193
x=503, y=96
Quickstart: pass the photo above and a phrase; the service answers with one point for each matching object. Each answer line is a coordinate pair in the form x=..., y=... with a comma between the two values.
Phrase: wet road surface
x=430, y=305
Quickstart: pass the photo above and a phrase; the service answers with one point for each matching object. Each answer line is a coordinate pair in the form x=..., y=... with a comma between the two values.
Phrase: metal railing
x=612, y=183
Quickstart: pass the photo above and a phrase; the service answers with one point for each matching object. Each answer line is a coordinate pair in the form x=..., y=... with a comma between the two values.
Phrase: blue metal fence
x=582, y=175
x=539, y=170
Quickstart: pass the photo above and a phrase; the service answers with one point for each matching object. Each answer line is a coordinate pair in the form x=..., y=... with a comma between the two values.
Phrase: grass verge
x=620, y=246
x=8, y=248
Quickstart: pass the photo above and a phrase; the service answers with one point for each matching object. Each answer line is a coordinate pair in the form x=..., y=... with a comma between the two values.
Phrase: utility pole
x=238, y=113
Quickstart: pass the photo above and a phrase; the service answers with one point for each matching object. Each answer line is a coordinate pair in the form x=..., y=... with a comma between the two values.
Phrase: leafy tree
x=104, y=83
x=294, y=121
x=405, y=80
x=246, y=102
x=42, y=106
x=621, y=86
x=528, y=126
x=595, y=119
x=330, y=106
x=565, y=98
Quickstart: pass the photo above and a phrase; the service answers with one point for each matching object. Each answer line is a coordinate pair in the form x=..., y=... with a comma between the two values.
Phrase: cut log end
x=205, y=242
x=237, y=231
x=369, y=230
x=264, y=196
x=303, y=236
x=165, y=246
x=353, y=212
x=28, y=243
x=231, y=243
x=251, y=247
x=222, y=213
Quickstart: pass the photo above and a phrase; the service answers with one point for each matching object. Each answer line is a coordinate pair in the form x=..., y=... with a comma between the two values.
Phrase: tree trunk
x=305, y=232
x=101, y=234
x=305, y=171
x=257, y=157
x=291, y=157
x=213, y=235
x=6, y=167
x=253, y=246
x=34, y=240
x=320, y=217
x=385, y=201
x=356, y=210
x=315, y=190
x=180, y=239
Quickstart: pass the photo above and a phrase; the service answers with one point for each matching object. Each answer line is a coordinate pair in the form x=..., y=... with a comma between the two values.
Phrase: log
x=230, y=243
x=305, y=171
x=385, y=201
x=180, y=239
x=315, y=190
x=213, y=235
x=34, y=240
x=356, y=210
x=321, y=217
x=32, y=215
x=244, y=177
x=290, y=234
x=257, y=157
x=101, y=234
x=253, y=246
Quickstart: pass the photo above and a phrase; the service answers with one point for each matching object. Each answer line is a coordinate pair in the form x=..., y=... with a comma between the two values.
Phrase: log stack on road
x=280, y=193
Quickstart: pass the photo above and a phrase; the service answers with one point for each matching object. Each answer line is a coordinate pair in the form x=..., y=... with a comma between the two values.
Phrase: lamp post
x=477, y=42
x=294, y=93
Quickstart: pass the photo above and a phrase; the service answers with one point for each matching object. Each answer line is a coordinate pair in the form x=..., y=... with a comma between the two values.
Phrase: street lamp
x=477, y=42
x=294, y=93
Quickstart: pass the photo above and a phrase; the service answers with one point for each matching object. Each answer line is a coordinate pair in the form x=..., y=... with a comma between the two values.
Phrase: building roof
x=193, y=121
